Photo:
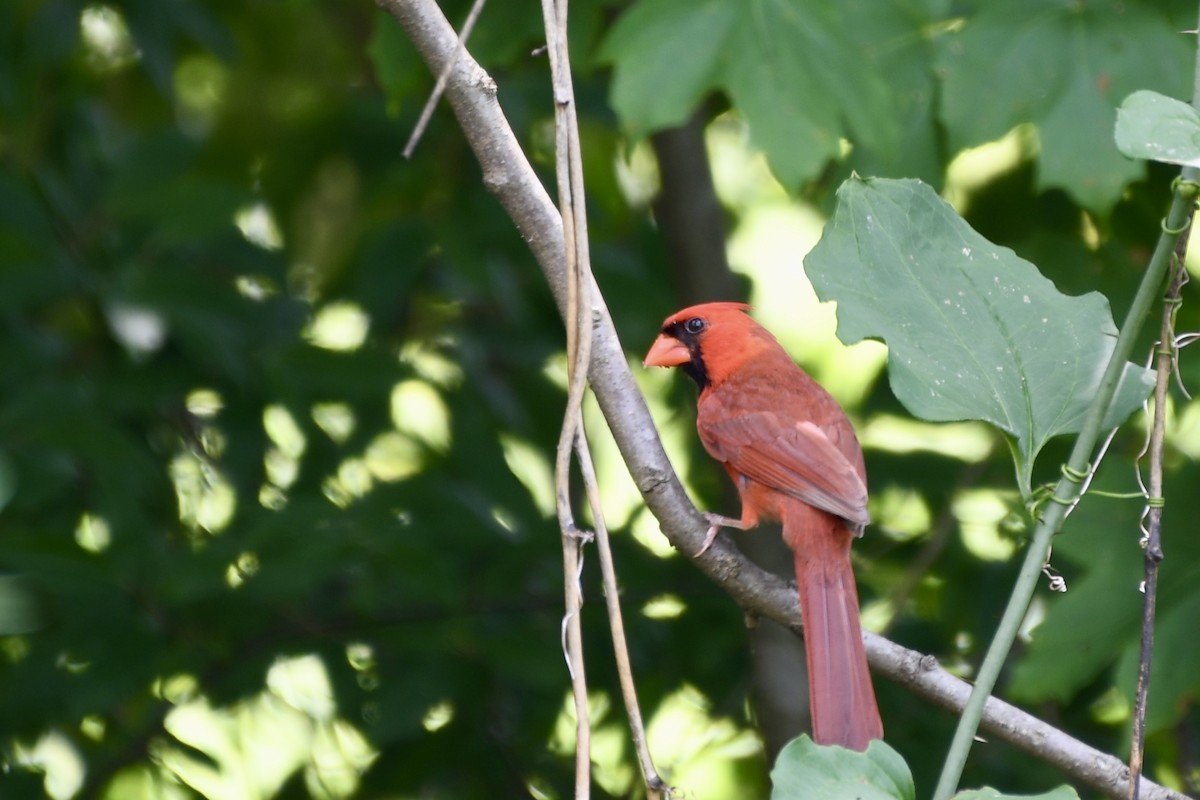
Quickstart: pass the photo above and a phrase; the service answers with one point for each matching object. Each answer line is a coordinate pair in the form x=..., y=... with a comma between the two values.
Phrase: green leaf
x=891, y=33
x=1063, y=66
x=811, y=771
x=988, y=793
x=665, y=54
x=802, y=83
x=1158, y=128
x=973, y=331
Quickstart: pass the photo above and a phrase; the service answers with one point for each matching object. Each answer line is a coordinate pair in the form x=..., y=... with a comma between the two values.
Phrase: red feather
x=795, y=459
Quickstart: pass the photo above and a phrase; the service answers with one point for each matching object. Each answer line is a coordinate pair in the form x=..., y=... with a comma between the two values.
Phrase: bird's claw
x=715, y=523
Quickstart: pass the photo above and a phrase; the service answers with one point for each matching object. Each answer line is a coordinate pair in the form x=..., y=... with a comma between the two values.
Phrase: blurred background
x=278, y=407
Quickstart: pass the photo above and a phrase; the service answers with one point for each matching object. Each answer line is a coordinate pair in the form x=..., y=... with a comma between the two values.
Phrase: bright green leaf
x=811, y=771
x=973, y=331
x=988, y=793
x=1158, y=128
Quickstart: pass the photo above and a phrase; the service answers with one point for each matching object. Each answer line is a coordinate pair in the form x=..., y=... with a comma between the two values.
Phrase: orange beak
x=667, y=351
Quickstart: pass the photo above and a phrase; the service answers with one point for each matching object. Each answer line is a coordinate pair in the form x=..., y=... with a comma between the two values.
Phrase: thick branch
x=472, y=96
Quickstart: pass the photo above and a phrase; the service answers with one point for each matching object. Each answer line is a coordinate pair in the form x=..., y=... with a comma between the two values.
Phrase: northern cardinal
x=794, y=458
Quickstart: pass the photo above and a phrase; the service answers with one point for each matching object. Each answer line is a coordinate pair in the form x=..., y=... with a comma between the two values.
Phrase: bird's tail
x=841, y=696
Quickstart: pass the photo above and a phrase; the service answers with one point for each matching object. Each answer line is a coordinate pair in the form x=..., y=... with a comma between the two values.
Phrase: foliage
x=805, y=769
x=973, y=331
x=277, y=405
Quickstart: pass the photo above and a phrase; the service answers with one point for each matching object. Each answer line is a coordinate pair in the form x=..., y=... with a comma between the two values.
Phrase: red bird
x=794, y=458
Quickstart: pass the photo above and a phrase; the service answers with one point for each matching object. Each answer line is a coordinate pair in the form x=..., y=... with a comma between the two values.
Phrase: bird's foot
x=715, y=523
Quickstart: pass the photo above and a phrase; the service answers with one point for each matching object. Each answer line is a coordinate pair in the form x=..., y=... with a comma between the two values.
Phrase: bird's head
x=708, y=341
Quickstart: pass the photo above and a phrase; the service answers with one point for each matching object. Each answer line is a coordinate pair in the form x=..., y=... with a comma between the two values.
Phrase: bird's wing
x=798, y=459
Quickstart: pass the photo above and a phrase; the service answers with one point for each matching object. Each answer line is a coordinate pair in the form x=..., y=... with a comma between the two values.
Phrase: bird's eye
x=694, y=325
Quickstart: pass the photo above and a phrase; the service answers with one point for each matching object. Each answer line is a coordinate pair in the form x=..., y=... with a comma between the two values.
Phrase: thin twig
x=578, y=356
x=443, y=78
x=570, y=197
x=1153, y=554
x=655, y=787
x=569, y=161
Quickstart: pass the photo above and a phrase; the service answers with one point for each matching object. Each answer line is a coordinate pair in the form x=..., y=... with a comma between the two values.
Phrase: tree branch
x=509, y=176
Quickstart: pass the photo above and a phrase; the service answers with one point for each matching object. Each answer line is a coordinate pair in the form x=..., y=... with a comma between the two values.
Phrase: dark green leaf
x=1063, y=66
x=790, y=68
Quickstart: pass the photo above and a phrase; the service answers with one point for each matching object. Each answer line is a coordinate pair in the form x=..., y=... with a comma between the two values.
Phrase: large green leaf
x=973, y=331
x=988, y=793
x=1064, y=66
x=791, y=68
x=1158, y=128
x=807, y=770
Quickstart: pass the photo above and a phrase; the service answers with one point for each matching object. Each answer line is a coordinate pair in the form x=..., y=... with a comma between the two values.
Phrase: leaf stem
x=1067, y=490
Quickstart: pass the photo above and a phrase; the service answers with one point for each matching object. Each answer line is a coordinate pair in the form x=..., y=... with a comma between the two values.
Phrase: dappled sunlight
x=54, y=755
x=1186, y=433
x=677, y=432
x=619, y=495
x=975, y=167
x=340, y=326
x=533, y=469
x=254, y=746
x=697, y=750
x=693, y=750
x=281, y=461
x=419, y=412
x=142, y=331
x=255, y=287
x=636, y=170
x=741, y=176
x=966, y=441
x=204, y=403
x=206, y=499
x=392, y=457
x=664, y=606
x=555, y=370
x=258, y=225
x=773, y=235
x=612, y=767
x=106, y=40
x=1113, y=708
x=900, y=513
x=242, y=569
x=980, y=513
x=431, y=364
x=438, y=716
x=1191, y=260
x=93, y=533
x=361, y=658
x=352, y=480
x=336, y=420
x=648, y=533
x=421, y=428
